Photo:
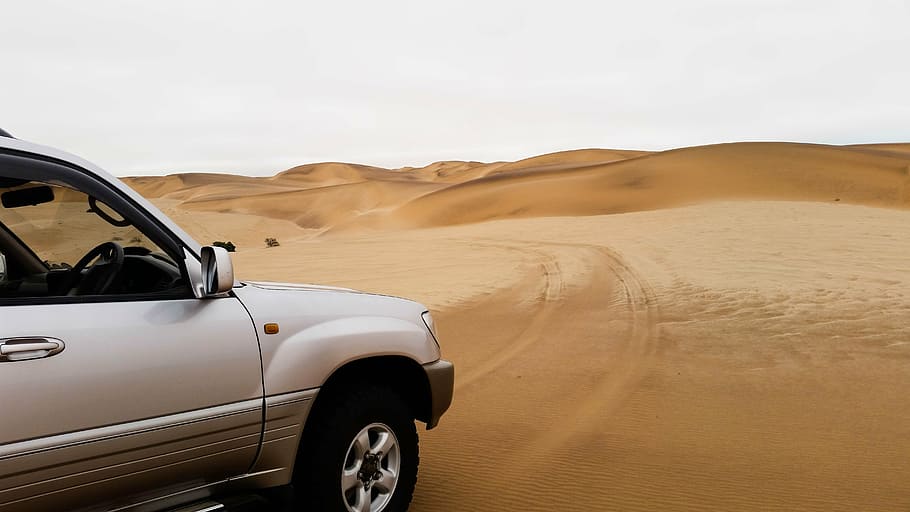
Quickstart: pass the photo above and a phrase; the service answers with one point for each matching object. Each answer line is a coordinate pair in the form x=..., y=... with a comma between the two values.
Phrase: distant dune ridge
x=339, y=196
x=723, y=327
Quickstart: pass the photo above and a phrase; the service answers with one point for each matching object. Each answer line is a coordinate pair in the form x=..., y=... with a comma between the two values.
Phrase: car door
x=110, y=395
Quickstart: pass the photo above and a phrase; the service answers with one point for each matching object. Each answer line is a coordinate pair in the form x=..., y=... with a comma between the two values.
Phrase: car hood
x=370, y=297
x=267, y=285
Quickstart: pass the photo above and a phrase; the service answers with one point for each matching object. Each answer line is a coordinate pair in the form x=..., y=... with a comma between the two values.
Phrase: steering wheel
x=101, y=275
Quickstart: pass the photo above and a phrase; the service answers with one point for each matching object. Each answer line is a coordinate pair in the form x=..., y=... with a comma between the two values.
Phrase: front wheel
x=359, y=454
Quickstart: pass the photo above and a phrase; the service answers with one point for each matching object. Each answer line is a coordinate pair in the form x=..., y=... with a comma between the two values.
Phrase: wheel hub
x=369, y=469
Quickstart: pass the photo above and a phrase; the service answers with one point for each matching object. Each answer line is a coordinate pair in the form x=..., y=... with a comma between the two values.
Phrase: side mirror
x=217, y=271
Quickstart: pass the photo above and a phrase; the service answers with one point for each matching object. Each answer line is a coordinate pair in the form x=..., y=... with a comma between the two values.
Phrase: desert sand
x=714, y=328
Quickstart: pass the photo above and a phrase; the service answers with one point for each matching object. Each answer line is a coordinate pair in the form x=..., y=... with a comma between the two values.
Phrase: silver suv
x=137, y=374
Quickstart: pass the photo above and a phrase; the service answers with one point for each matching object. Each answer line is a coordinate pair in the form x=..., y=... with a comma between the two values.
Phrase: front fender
x=307, y=358
x=320, y=330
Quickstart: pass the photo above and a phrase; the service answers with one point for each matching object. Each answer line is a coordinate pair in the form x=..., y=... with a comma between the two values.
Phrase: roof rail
x=4, y=133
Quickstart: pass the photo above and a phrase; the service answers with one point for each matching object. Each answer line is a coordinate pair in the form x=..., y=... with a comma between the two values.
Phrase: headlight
x=428, y=321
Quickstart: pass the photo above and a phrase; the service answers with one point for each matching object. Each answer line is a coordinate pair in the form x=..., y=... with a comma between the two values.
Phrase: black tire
x=337, y=419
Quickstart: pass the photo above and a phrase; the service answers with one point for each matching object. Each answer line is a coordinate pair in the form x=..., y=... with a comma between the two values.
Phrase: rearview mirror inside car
x=27, y=196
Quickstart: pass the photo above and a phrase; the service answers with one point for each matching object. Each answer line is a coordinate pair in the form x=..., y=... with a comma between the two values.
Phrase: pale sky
x=256, y=87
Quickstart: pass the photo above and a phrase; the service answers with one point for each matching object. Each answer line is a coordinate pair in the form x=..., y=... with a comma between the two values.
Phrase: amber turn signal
x=271, y=328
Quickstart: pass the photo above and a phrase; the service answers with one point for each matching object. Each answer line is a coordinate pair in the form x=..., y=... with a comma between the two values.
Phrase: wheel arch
x=407, y=378
x=403, y=374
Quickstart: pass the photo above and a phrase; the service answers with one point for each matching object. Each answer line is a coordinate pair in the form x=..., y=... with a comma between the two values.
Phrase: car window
x=54, y=226
x=61, y=231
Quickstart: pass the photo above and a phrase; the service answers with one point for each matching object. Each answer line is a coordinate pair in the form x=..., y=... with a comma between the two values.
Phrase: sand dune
x=673, y=178
x=325, y=206
x=899, y=150
x=340, y=197
x=712, y=328
x=578, y=156
x=160, y=186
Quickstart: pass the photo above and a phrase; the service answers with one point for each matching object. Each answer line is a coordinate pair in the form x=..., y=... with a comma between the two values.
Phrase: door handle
x=29, y=347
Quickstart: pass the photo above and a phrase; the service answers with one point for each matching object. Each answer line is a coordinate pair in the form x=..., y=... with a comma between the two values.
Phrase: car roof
x=10, y=143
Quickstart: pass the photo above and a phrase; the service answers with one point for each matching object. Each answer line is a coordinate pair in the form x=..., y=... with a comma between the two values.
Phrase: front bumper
x=441, y=377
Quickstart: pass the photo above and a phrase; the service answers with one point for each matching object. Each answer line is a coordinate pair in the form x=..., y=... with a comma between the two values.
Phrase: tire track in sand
x=638, y=301
x=636, y=294
x=549, y=294
x=572, y=441
x=542, y=421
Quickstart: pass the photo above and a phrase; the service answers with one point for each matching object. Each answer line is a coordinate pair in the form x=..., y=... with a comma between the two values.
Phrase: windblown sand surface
x=714, y=328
